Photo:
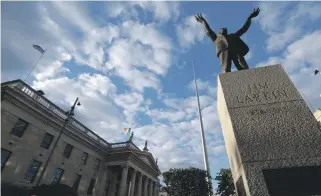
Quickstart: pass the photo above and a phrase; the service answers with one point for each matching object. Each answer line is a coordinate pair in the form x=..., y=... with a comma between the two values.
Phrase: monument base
x=272, y=139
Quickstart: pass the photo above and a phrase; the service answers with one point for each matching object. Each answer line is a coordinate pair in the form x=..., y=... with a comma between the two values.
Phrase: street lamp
x=69, y=114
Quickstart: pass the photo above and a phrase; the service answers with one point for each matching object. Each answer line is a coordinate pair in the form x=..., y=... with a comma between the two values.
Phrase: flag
x=41, y=50
x=127, y=130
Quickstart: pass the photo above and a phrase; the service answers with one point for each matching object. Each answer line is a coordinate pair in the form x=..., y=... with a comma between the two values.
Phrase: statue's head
x=223, y=31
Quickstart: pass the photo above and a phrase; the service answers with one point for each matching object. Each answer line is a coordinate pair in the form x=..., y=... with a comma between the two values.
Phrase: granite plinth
x=266, y=124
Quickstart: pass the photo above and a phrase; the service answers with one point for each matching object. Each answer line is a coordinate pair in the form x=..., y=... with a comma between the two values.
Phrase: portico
x=131, y=172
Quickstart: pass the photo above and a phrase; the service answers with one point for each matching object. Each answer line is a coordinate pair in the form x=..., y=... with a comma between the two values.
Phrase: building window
x=77, y=181
x=68, y=150
x=91, y=187
x=84, y=158
x=19, y=128
x=46, y=141
x=32, y=171
x=5, y=155
x=58, y=174
x=97, y=164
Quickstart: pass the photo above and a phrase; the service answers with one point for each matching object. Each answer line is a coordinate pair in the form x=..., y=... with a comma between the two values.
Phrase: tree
x=225, y=183
x=187, y=182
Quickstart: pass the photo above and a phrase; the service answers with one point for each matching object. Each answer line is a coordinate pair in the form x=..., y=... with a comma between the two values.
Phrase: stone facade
x=30, y=124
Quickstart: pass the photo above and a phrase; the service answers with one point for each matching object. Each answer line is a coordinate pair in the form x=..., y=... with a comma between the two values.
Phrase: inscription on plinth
x=261, y=92
x=258, y=87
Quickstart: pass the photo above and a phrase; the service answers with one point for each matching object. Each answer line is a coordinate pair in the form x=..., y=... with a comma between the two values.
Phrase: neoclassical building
x=30, y=125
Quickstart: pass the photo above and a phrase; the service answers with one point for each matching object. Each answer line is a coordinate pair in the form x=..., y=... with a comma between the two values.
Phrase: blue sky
x=130, y=64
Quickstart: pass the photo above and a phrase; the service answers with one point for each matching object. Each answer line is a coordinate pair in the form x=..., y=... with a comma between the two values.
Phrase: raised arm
x=247, y=24
x=209, y=32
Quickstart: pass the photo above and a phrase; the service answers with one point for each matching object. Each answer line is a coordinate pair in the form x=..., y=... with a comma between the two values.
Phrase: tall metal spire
x=202, y=127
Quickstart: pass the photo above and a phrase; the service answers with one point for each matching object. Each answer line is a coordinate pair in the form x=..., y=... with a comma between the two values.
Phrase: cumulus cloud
x=189, y=31
x=161, y=11
x=203, y=86
x=283, y=22
x=76, y=13
x=136, y=52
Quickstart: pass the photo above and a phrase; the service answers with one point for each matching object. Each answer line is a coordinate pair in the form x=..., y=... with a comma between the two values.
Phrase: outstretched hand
x=255, y=13
x=200, y=19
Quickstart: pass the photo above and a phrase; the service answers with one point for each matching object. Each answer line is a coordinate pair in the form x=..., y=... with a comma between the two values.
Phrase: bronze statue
x=229, y=47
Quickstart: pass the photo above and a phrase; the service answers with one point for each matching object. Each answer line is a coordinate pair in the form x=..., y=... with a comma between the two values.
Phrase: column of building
x=154, y=189
x=123, y=181
x=145, y=186
x=150, y=187
x=133, y=183
x=104, y=181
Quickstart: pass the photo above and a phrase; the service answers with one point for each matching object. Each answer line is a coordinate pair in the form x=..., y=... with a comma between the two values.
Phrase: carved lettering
x=264, y=85
x=261, y=92
x=268, y=110
x=255, y=88
x=248, y=98
x=256, y=97
x=238, y=99
x=266, y=95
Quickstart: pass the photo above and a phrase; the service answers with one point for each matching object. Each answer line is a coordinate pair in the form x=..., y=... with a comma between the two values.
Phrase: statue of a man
x=229, y=47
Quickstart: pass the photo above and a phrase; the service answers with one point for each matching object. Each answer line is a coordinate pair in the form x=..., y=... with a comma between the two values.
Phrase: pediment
x=148, y=159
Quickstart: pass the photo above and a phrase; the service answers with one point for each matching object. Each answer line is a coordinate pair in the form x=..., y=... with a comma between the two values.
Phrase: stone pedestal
x=272, y=139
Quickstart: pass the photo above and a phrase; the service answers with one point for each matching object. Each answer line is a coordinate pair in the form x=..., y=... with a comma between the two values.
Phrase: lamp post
x=70, y=113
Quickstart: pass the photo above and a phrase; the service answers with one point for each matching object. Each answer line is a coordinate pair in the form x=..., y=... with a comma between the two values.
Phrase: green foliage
x=225, y=183
x=187, y=182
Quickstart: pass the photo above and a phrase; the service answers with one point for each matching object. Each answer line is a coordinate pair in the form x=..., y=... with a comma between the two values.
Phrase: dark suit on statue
x=230, y=47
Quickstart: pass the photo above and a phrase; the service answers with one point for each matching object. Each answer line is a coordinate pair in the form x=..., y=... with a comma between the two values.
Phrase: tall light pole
x=202, y=127
x=70, y=113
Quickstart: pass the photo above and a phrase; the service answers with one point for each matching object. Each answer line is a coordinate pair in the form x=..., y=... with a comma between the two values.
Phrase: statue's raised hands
x=255, y=13
x=200, y=19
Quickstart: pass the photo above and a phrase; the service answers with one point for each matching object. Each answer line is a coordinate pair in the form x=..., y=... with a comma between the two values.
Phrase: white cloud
x=146, y=34
x=162, y=11
x=203, y=86
x=75, y=13
x=284, y=24
x=102, y=48
x=141, y=57
x=131, y=103
x=126, y=54
x=51, y=71
x=189, y=31
x=139, y=80
x=299, y=54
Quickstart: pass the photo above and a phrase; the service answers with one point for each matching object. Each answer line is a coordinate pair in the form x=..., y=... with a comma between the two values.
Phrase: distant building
x=30, y=124
x=317, y=114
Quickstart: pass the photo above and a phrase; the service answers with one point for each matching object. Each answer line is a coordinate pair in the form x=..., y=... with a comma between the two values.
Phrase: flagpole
x=202, y=127
x=34, y=66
